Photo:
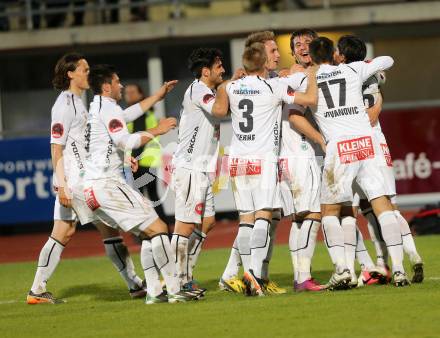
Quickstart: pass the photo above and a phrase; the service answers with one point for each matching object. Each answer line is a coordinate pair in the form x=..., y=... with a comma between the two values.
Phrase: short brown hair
x=321, y=50
x=254, y=57
x=261, y=37
x=67, y=63
x=302, y=32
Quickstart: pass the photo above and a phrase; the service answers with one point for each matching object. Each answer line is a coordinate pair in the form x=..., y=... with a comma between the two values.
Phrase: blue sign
x=26, y=193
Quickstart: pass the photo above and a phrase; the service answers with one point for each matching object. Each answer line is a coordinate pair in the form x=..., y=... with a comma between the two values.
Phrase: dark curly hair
x=203, y=57
x=353, y=48
x=67, y=63
x=99, y=75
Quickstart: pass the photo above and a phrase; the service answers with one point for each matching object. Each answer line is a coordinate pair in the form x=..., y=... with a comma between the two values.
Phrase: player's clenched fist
x=165, y=125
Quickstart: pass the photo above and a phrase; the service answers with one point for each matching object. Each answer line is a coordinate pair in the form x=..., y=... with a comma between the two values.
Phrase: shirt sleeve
x=285, y=93
x=367, y=69
x=132, y=113
x=205, y=100
x=113, y=119
x=62, y=118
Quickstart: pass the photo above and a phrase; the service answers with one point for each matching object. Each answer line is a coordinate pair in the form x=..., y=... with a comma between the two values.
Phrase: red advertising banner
x=413, y=139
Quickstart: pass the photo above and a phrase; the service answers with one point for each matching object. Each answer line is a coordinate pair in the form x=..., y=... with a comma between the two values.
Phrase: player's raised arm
x=310, y=97
x=221, y=104
x=133, y=112
x=367, y=69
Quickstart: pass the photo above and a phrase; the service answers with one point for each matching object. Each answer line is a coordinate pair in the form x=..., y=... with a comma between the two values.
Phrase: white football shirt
x=199, y=131
x=68, y=123
x=340, y=110
x=255, y=105
x=293, y=143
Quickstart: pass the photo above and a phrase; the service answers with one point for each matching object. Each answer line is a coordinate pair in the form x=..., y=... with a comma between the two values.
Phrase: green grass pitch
x=99, y=306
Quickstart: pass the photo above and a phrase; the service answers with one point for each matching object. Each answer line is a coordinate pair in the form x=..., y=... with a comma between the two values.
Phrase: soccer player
x=195, y=162
x=255, y=105
x=300, y=173
x=351, y=155
x=69, y=118
x=112, y=200
x=352, y=49
x=241, y=250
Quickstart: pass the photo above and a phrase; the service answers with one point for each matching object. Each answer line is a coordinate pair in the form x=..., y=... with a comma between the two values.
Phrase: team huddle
x=325, y=106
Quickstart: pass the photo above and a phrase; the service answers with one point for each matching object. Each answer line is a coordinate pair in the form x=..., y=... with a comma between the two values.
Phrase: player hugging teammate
x=327, y=103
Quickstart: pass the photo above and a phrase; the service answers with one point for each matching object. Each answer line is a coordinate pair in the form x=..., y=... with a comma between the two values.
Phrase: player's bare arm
x=221, y=104
x=310, y=97
x=374, y=111
x=150, y=101
x=58, y=165
x=304, y=127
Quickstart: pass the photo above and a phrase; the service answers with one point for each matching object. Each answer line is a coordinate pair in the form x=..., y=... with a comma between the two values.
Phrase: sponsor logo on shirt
x=241, y=167
x=387, y=154
x=290, y=91
x=193, y=140
x=91, y=201
x=57, y=130
x=199, y=208
x=115, y=125
x=324, y=76
x=246, y=91
x=207, y=98
x=354, y=150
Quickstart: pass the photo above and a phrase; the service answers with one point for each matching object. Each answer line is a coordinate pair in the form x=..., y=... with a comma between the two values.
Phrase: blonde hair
x=261, y=37
x=254, y=57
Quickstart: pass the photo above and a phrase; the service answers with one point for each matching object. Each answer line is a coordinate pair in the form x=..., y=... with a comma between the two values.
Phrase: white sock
x=49, y=258
x=154, y=288
x=244, y=244
x=362, y=254
x=334, y=240
x=276, y=217
x=118, y=253
x=260, y=240
x=179, y=247
x=233, y=267
x=293, y=247
x=195, y=244
x=348, y=224
x=376, y=237
x=306, y=247
x=164, y=259
x=408, y=241
x=391, y=234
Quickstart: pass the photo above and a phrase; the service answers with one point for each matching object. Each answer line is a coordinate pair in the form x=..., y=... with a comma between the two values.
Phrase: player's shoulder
x=63, y=103
x=295, y=80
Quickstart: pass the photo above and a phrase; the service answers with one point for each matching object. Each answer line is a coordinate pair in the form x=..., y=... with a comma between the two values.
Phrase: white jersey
x=105, y=128
x=371, y=91
x=199, y=131
x=293, y=143
x=340, y=111
x=255, y=104
x=69, y=120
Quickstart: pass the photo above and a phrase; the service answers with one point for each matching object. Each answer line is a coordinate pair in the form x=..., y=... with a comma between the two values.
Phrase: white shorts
x=254, y=184
x=194, y=196
x=79, y=211
x=118, y=205
x=353, y=158
x=300, y=180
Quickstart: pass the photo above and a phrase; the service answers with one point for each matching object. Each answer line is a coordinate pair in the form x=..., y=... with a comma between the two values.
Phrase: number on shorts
x=324, y=86
x=248, y=106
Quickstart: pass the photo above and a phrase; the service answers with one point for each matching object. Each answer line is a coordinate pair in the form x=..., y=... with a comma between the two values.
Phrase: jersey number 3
x=324, y=86
x=248, y=108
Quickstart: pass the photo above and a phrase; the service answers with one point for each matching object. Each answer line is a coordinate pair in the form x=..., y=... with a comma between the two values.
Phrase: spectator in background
x=151, y=157
x=138, y=13
x=4, y=20
x=56, y=19
x=255, y=5
x=78, y=14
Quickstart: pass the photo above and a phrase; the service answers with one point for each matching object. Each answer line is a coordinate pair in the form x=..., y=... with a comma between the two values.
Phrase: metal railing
x=30, y=9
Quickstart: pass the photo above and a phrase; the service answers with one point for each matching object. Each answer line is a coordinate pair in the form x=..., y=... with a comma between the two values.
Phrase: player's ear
x=206, y=72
